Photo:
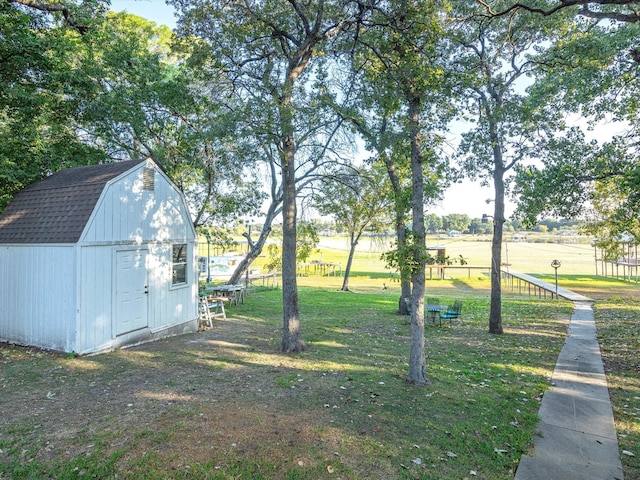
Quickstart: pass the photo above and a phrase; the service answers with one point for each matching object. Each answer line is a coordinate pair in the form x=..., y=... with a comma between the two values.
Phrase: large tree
x=82, y=85
x=41, y=91
x=358, y=200
x=271, y=53
x=494, y=60
x=456, y=221
x=148, y=102
x=401, y=54
x=590, y=75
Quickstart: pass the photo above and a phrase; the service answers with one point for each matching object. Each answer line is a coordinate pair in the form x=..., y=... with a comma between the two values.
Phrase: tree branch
x=54, y=8
x=628, y=18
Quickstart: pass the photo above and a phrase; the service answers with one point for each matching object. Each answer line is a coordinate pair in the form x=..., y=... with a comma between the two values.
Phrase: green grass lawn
x=225, y=404
x=618, y=322
x=340, y=410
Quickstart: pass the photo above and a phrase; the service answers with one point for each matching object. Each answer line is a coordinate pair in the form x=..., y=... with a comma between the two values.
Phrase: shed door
x=131, y=291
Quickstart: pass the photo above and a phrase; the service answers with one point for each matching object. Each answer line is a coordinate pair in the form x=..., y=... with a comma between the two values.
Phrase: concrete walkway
x=576, y=438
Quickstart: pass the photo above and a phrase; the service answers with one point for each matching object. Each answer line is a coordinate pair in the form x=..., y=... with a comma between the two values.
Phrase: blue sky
x=155, y=10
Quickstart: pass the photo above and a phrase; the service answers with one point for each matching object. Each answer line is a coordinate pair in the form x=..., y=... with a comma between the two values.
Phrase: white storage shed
x=96, y=258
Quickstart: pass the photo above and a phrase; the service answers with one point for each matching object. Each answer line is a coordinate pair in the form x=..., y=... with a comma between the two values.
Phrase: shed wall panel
x=96, y=297
x=39, y=297
x=127, y=213
x=169, y=304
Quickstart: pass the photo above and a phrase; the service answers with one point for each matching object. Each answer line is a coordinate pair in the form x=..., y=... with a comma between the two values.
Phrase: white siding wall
x=96, y=298
x=170, y=305
x=127, y=216
x=38, y=296
x=127, y=213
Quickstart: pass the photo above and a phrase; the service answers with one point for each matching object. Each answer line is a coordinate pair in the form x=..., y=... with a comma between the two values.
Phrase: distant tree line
x=443, y=224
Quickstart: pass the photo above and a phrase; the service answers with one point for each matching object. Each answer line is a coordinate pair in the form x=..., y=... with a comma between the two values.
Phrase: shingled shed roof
x=56, y=209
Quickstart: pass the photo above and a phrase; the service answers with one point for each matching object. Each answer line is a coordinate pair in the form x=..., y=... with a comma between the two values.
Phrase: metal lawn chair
x=452, y=313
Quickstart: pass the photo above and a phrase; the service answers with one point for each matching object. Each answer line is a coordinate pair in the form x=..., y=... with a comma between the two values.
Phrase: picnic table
x=435, y=309
x=235, y=293
x=318, y=267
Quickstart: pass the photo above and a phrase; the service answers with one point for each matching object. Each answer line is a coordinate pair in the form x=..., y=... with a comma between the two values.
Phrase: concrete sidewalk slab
x=576, y=437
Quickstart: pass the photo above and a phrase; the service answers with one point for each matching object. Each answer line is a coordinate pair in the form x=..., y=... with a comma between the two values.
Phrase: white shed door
x=131, y=291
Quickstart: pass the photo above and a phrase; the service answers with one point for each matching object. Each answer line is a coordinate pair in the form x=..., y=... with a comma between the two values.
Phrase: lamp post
x=246, y=274
x=556, y=265
x=207, y=235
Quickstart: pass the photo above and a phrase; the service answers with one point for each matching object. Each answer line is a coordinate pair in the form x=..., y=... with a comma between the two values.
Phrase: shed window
x=179, y=264
x=148, y=179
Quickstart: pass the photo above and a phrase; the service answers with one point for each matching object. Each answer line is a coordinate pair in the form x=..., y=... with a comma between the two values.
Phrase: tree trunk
x=405, y=278
x=495, y=313
x=404, y=302
x=417, y=360
x=256, y=248
x=292, y=341
x=353, y=244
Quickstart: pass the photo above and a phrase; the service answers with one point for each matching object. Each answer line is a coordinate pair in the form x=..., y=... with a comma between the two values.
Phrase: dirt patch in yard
x=187, y=400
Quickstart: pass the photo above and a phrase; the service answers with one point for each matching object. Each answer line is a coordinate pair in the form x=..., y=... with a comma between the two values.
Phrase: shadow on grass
x=226, y=403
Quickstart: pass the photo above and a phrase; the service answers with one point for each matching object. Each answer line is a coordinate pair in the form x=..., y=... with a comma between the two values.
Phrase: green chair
x=452, y=313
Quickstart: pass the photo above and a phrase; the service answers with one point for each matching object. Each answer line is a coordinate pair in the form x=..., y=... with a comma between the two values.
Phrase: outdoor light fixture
x=485, y=218
x=207, y=235
x=247, y=234
x=556, y=265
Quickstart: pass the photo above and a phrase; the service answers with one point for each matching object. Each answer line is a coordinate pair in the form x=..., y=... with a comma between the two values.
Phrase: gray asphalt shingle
x=57, y=208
